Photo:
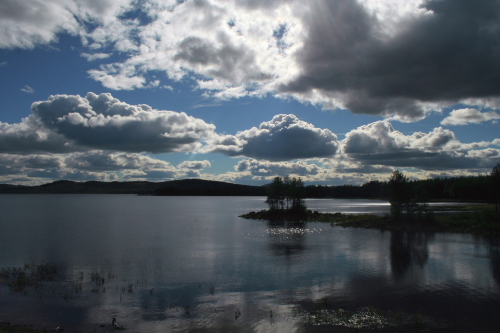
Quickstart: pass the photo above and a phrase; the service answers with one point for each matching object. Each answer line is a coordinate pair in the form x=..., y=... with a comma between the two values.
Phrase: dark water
x=190, y=264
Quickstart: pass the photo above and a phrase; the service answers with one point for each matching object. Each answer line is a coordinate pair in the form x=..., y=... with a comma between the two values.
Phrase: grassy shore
x=476, y=219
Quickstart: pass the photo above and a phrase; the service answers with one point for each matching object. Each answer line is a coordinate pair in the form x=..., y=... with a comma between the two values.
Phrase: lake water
x=190, y=264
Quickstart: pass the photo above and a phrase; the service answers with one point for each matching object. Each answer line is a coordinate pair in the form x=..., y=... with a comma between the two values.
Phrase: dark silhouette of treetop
x=276, y=194
x=288, y=193
x=399, y=192
x=495, y=186
x=495, y=172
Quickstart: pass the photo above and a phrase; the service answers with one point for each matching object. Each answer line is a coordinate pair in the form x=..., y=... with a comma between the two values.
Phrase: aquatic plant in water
x=28, y=277
x=364, y=318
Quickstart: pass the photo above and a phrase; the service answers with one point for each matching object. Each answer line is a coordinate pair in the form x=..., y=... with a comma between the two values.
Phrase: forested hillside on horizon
x=473, y=188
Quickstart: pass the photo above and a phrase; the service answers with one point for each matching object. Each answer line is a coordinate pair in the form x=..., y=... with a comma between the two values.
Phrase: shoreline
x=471, y=219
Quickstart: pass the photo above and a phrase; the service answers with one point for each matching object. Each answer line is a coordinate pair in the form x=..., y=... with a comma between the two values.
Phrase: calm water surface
x=190, y=264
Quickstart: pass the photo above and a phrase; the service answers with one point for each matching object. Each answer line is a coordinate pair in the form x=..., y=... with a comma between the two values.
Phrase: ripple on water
x=290, y=232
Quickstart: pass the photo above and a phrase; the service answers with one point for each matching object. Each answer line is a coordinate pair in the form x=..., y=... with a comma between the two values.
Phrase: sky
x=335, y=92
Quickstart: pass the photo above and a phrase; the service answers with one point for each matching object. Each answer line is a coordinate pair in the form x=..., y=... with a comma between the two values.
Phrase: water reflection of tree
x=494, y=249
x=408, y=249
x=285, y=238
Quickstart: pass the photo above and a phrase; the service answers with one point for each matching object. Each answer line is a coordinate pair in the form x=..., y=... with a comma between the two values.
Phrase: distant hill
x=10, y=187
x=208, y=187
x=174, y=187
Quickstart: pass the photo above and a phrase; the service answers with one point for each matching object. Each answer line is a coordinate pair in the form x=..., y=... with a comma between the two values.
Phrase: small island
x=409, y=210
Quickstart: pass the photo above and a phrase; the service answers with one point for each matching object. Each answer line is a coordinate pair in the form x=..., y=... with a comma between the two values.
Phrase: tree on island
x=275, y=194
x=409, y=197
x=399, y=193
x=495, y=186
x=288, y=191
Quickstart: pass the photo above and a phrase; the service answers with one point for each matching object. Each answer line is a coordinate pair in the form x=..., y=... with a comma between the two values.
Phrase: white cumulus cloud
x=65, y=123
x=195, y=165
x=379, y=144
x=283, y=138
x=270, y=169
x=469, y=116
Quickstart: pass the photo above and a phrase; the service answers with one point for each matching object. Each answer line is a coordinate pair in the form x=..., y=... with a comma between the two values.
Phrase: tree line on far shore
x=405, y=195
x=484, y=188
x=409, y=198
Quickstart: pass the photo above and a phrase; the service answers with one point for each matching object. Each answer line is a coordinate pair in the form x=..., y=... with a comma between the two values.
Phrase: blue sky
x=336, y=92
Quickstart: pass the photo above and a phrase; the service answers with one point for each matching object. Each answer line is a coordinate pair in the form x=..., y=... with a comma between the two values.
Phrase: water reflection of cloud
x=252, y=265
x=457, y=259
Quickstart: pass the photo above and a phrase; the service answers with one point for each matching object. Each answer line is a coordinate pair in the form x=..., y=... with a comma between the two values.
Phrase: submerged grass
x=478, y=219
x=327, y=313
x=9, y=328
x=28, y=277
x=365, y=318
x=45, y=280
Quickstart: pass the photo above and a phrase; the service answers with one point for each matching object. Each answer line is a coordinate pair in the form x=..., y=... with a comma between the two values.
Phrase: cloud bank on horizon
x=95, y=136
x=399, y=60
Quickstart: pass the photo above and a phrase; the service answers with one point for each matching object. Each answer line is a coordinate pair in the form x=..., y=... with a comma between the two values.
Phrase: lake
x=190, y=264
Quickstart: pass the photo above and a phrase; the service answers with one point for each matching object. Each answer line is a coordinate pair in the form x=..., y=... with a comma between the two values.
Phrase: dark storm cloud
x=448, y=55
x=8, y=170
x=283, y=138
x=41, y=161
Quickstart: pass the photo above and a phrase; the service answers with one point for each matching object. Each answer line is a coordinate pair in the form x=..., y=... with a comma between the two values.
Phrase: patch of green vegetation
x=9, y=328
x=478, y=219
